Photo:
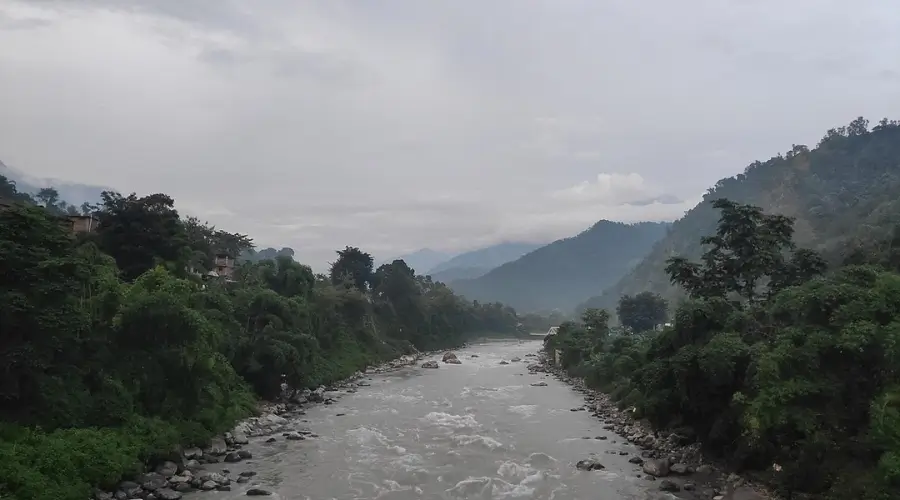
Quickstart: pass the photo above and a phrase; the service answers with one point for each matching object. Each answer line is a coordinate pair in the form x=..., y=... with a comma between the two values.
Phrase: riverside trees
x=769, y=361
x=113, y=348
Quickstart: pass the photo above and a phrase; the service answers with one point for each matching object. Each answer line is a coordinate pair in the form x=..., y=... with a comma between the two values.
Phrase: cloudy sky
x=395, y=125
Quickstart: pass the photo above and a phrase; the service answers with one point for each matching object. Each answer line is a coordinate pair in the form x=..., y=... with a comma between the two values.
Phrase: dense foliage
x=563, y=273
x=120, y=344
x=769, y=360
x=842, y=195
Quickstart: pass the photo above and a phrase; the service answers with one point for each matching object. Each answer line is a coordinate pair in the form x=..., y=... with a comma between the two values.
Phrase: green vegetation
x=563, y=273
x=769, y=360
x=842, y=195
x=118, y=346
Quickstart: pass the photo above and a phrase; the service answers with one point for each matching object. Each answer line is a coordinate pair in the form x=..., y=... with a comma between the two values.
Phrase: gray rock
x=193, y=453
x=155, y=483
x=243, y=480
x=167, y=469
x=636, y=460
x=668, y=485
x=294, y=436
x=589, y=464
x=102, y=495
x=208, y=486
x=179, y=479
x=245, y=455
x=539, y=384
x=656, y=468
x=217, y=446
x=430, y=364
x=233, y=457
x=183, y=487
x=167, y=494
x=248, y=473
x=240, y=438
x=257, y=492
x=680, y=469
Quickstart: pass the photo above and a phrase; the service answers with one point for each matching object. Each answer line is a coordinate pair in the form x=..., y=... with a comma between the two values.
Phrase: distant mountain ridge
x=558, y=275
x=843, y=195
x=421, y=260
x=487, y=258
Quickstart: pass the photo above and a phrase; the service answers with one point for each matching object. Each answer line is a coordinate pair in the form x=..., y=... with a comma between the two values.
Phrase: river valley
x=477, y=430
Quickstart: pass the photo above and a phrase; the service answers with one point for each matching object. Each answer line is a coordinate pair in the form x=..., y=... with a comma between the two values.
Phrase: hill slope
x=459, y=273
x=487, y=258
x=562, y=273
x=844, y=194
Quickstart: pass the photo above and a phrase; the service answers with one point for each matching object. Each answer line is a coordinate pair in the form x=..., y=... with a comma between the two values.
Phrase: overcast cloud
x=396, y=125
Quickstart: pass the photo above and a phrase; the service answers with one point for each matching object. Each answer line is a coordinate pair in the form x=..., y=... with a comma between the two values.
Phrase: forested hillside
x=774, y=363
x=120, y=343
x=563, y=273
x=843, y=195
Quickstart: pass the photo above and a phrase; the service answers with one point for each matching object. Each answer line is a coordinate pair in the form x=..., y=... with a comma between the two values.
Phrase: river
x=478, y=430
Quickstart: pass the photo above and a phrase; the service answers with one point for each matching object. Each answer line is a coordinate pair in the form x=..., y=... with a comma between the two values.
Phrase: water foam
x=524, y=410
x=452, y=421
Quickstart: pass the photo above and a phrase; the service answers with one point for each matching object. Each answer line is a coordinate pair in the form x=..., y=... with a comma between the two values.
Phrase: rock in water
x=450, y=358
x=589, y=464
x=430, y=364
x=258, y=492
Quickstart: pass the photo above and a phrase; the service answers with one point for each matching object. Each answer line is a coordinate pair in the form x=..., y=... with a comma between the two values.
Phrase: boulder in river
x=539, y=384
x=257, y=492
x=430, y=364
x=450, y=358
x=589, y=464
x=504, y=362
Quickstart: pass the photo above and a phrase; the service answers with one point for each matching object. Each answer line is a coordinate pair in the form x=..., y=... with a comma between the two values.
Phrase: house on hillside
x=224, y=266
x=76, y=224
x=82, y=223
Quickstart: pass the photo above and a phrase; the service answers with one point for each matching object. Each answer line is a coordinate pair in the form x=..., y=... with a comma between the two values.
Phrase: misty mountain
x=486, y=258
x=421, y=260
x=557, y=276
x=73, y=193
x=842, y=195
x=459, y=273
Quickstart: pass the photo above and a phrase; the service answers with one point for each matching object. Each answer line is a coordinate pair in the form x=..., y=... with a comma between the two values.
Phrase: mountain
x=486, y=258
x=563, y=273
x=844, y=195
x=72, y=193
x=458, y=273
x=421, y=260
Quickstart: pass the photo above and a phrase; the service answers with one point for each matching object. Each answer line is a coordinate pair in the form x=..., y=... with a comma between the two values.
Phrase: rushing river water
x=478, y=430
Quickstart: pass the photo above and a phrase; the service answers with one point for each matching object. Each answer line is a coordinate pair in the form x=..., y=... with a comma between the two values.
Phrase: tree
x=355, y=265
x=641, y=312
x=49, y=197
x=748, y=247
x=141, y=232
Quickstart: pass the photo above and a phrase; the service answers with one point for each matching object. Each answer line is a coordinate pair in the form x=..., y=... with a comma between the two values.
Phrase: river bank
x=186, y=470
x=666, y=457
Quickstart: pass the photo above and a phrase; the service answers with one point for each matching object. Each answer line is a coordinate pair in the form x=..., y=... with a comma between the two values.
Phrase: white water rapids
x=478, y=430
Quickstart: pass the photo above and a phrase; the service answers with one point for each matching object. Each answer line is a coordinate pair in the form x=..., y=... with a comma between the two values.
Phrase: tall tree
x=355, y=265
x=140, y=232
x=748, y=247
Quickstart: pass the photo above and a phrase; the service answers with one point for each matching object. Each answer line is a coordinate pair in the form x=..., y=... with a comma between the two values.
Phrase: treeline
x=774, y=363
x=120, y=344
